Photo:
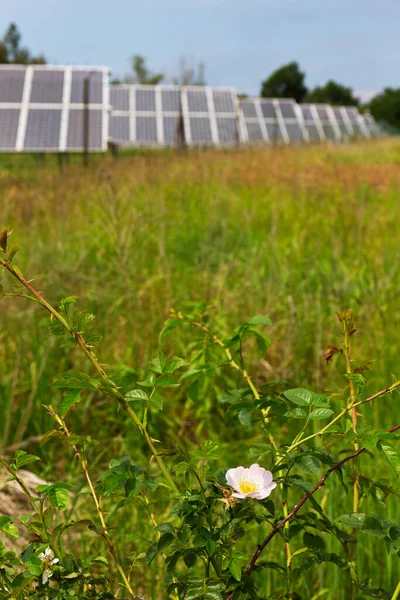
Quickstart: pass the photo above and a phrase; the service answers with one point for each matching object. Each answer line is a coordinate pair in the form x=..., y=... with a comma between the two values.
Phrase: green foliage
x=332, y=93
x=285, y=82
x=231, y=401
x=11, y=51
x=141, y=73
x=385, y=107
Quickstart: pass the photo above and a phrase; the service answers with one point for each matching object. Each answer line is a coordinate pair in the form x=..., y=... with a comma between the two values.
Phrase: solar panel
x=210, y=116
x=42, y=108
x=144, y=115
x=273, y=120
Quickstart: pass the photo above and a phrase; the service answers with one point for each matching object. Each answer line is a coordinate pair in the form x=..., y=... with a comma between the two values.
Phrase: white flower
x=48, y=560
x=254, y=482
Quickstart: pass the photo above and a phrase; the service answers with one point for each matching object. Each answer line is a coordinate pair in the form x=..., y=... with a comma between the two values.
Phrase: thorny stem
x=104, y=533
x=348, y=330
x=297, y=507
x=111, y=389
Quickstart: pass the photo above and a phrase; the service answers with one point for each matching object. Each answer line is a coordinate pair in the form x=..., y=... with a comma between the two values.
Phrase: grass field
x=293, y=233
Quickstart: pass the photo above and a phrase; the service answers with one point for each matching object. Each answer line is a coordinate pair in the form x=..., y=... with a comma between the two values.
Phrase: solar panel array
x=273, y=121
x=42, y=109
x=145, y=115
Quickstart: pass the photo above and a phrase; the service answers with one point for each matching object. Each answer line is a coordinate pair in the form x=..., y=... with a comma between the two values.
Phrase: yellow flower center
x=247, y=486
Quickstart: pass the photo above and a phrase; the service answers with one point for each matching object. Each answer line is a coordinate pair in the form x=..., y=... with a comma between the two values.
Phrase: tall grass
x=297, y=234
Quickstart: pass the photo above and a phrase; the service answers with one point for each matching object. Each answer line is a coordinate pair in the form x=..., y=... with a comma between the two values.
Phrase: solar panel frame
x=157, y=112
x=211, y=114
x=26, y=104
x=267, y=116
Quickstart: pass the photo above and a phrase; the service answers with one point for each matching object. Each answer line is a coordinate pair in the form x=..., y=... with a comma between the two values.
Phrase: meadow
x=297, y=234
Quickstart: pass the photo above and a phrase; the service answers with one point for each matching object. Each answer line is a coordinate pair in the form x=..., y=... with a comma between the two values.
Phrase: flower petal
x=265, y=492
x=233, y=477
x=267, y=478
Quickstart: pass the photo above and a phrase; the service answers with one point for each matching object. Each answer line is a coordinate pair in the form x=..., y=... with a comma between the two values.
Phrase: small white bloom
x=48, y=560
x=254, y=482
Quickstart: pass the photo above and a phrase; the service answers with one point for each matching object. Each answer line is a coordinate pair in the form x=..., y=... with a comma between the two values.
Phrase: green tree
x=333, y=93
x=141, y=73
x=11, y=51
x=285, y=82
x=385, y=107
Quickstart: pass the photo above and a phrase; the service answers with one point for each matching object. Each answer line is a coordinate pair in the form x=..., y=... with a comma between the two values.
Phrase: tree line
x=287, y=81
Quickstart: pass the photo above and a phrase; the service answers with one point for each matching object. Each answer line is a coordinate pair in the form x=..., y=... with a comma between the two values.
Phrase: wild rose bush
x=251, y=529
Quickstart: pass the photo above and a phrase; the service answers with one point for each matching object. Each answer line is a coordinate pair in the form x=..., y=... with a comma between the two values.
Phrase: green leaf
x=245, y=416
x=313, y=541
x=299, y=396
x=157, y=364
x=151, y=553
x=166, y=381
x=307, y=463
x=4, y=521
x=175, y=363
x=166, y=528
x=69, y=398
x=59, y=498
x=165, y=540
x=352, y=519
x=22, y=458
x=391, y=455
x=149, y=381
x=260, y=320
x=156, y=401
x=303, y=397
x=132, y=487
x=190, y=558
x=136, y=395
x=296, y=413
x=235, y=569
x=321, y=413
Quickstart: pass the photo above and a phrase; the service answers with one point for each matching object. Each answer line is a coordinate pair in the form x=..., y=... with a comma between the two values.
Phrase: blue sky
x=356, y=42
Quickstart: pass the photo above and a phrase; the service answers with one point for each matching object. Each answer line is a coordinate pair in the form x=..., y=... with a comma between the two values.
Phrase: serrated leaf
x=59, y=498
x=69, y=398
x=157, y=364
x=156, y=401
x=296, y=413
x=307, y=463
x=22, y=458
x=321, y=413
x=166, y=528
x=260, y=320
x=391, y=455
x=245, y=416
x=175, y=363
x=235, y=569
x=136, y=395
x=352, y=519
x=165, y=540
x=151, y=553
x=299, y=396
x=166, y=381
